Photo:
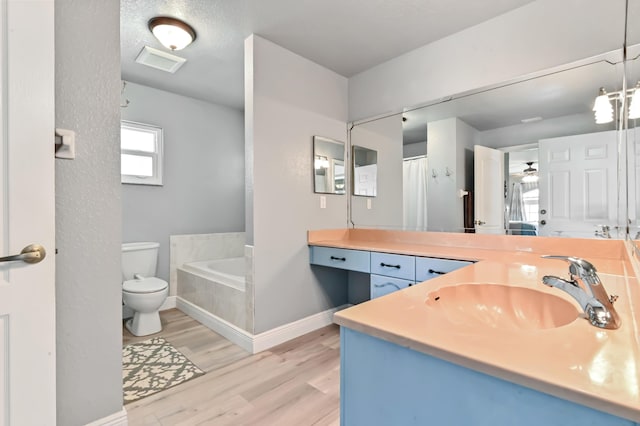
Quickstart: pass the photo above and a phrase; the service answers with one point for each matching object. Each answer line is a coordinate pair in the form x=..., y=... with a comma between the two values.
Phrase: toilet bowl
x=143, y=293
x=144, y=296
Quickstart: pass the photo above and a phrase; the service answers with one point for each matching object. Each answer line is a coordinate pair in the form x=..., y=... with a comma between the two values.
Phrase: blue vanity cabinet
x=391, y=272
x=383, y=383
x=352, y=260
x=381, y=285
x=430, y=267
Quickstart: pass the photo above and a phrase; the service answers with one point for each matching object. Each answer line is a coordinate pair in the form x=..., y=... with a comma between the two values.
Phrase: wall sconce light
x=172, y=33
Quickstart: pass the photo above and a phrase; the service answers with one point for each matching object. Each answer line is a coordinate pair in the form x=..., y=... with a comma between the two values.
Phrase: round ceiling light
x=172, y=33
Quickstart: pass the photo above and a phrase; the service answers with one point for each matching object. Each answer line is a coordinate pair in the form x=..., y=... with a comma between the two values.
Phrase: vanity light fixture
x=603, y=108
x=634, y=106
x=173, y=33
x=321, y=162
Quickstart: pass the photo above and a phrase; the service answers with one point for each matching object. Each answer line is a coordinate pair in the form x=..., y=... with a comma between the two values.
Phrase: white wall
x=537, y=36
x=203, y=190
x=385, y=137
x=288, y=99
x=88, y=213
x=450, y=145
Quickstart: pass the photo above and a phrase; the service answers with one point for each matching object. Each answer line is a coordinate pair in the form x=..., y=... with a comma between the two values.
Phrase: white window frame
x=157, y=156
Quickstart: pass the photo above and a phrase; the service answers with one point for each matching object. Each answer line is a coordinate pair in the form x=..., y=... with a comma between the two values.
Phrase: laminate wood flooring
x=296, y=383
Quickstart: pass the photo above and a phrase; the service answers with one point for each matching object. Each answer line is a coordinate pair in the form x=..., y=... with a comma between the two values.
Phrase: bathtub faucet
x=585, y=286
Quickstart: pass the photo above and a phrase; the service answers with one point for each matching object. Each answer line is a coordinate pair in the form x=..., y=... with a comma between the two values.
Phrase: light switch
x=368, y=203
x=323, y=202
x=65, y=144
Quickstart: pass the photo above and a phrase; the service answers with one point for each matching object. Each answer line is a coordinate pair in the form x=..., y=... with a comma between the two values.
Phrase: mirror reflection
x=558, y=166
x=328, y=166
x=365, y=171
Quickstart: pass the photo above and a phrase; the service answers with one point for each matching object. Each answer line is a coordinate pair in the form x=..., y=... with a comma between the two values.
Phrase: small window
x=140, y=153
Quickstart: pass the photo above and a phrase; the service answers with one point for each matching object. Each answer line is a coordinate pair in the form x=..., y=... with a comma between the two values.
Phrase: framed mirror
x=365, y=171
x=328, y=166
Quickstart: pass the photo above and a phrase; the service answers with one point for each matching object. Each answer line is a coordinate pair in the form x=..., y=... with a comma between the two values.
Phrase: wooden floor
x=296, y=383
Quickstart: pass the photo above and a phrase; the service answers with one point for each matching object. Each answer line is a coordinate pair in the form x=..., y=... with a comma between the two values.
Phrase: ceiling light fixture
x=530, y=174
x=172, y=33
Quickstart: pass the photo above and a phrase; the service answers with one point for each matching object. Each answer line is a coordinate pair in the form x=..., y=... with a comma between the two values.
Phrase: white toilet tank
x=139, y=258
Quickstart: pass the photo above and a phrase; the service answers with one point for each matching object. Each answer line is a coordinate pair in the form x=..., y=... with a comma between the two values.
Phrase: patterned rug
x=153, y=365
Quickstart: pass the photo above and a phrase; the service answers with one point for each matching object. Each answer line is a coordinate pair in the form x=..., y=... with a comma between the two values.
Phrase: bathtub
x=229, y=271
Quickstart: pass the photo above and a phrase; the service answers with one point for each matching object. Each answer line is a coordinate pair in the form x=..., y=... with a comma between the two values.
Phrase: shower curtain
x=414, y=177
x=516, y=206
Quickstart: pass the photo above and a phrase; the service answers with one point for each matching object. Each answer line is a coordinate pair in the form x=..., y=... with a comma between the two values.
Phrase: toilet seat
x=145, y=285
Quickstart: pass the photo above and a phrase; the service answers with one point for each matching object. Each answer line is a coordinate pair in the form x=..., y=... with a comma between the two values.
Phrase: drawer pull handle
x=433, y=271
x=386, y=284
x=341, y=259
x=386, y=265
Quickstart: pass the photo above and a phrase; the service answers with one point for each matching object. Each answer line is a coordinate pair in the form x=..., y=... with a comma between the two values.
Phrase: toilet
x=142, y=292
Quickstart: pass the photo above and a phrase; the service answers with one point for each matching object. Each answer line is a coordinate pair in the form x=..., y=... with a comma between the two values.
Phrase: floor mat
x=154, y=365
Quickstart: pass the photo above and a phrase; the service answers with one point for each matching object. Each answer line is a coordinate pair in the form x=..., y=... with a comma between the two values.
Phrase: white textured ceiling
x=347, y=36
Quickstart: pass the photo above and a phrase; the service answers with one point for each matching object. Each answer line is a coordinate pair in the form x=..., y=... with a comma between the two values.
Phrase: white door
x=27, y=306
x=488, y=200
x=578, y=192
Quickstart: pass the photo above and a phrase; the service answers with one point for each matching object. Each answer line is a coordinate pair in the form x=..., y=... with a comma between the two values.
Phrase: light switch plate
x=323, y=202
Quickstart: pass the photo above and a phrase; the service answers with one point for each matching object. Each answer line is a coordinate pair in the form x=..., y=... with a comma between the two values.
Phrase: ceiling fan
x=530, y=173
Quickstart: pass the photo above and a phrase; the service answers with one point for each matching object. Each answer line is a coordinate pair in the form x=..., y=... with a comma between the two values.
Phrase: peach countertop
x=577, y=362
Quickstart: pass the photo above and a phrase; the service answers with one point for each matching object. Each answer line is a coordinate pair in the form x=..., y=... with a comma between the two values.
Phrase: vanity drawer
x=381, y=285
x=430, y=267
x=394, y=265
x=353, y=260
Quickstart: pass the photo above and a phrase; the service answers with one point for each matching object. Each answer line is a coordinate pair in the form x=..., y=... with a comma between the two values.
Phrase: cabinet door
x=394, y=265
x=353, y=260
x=429, y=267
x=381, y=285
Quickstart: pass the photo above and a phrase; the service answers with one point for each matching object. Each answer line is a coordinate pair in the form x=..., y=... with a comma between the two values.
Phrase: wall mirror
x=328, y=166
x=365, y=171
x=561, y=174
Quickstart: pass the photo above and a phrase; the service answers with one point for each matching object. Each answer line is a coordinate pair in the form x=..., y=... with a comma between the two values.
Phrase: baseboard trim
x=170, y=303
x=115, y=419
x=286, y=332
x=255, y=343
x=229, y=331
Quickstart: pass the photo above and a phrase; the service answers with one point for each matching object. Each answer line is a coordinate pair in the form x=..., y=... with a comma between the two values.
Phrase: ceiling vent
x=160, y=60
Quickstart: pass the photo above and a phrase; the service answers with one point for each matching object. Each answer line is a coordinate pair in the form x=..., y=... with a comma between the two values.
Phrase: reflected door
x=489, y=190
x=27, y=308
x=578, y=176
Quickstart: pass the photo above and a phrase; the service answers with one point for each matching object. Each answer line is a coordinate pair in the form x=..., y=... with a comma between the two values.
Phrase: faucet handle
x=577, y=266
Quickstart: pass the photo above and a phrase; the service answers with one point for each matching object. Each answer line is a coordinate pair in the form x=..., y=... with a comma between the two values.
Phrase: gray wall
x=88, y=212
x=203, y=189
x=385, y=137
x=288, y=100
x=537, y=36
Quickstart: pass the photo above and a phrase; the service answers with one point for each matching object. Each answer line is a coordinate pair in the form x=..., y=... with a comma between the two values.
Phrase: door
x=27, y=306
x=488, y=185
x=578, y=192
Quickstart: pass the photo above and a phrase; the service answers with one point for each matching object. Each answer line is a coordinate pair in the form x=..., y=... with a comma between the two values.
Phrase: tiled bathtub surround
x=218, y=299
x=195, y=247
x=249, y=287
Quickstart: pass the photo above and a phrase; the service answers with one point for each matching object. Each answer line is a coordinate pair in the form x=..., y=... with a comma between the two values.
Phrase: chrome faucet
x=585, y=286
x=605, y=233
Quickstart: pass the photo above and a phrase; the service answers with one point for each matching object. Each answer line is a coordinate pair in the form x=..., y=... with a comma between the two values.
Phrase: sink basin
x=501, y=307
